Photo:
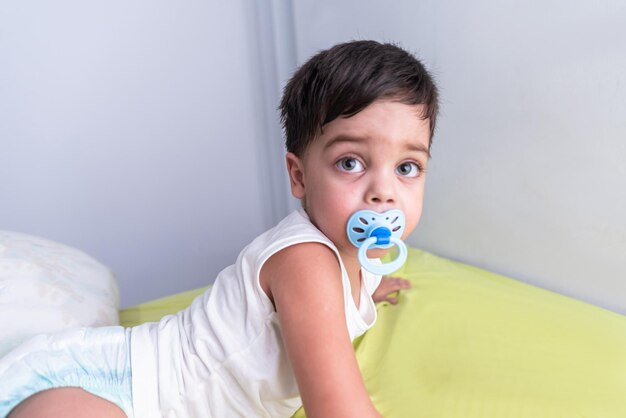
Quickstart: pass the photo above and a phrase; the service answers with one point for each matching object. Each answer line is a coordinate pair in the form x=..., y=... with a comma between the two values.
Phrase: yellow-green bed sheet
x=467, y=343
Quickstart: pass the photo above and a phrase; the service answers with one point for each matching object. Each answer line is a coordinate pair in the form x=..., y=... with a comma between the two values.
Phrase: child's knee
x=66, y=403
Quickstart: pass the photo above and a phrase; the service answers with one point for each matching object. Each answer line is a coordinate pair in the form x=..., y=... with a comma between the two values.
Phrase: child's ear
x=295, y=168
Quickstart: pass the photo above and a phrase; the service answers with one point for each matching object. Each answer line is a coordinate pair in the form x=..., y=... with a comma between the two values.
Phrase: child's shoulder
x=300, y=269
x=310, y=255
x=292, y=248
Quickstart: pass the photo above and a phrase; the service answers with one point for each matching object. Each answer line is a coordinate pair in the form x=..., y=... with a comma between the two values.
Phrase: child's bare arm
x=305, y=285
x=388, y=287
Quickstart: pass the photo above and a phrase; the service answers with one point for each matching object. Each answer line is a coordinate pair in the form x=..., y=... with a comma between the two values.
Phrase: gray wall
x=528, y=176
x=139, y=132
x=145, y=133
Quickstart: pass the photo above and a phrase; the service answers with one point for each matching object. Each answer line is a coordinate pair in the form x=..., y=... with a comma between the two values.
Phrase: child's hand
x=388, y=288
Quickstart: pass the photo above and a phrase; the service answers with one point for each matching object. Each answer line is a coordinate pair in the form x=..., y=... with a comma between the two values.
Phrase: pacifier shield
x=364, y=222
x=368, y=229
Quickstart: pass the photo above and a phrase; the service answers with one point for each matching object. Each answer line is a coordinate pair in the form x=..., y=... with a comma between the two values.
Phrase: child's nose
x=380, y=192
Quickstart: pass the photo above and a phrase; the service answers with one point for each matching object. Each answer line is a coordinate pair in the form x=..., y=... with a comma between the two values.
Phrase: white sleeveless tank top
x=223, y=356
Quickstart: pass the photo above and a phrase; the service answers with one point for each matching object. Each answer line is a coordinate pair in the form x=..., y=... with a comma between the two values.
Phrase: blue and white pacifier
x=368, y=230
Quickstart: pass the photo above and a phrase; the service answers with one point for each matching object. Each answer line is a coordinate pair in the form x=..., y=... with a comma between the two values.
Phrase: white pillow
x=49, y=287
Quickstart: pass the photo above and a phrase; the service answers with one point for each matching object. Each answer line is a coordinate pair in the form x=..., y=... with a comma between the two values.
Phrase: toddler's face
x=372, y=160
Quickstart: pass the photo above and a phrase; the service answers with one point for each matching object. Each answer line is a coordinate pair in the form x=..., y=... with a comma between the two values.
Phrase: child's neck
x=353, y=268
x=352, y=265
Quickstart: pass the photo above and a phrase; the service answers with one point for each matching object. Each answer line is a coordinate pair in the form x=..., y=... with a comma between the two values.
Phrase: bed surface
x=467, y=343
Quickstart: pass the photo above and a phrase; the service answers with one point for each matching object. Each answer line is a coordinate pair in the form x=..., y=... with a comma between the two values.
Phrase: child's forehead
x=380, y=121
x=339, y=142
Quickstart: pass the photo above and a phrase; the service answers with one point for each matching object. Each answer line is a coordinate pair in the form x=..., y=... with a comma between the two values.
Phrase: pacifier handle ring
x=382, y=269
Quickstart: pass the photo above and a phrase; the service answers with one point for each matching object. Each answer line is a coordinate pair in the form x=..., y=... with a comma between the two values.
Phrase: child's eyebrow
x=418, y=147
x=410, y=145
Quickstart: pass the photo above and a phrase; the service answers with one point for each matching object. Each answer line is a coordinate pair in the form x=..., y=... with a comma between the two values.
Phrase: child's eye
x=349, y=164
x=408, y=169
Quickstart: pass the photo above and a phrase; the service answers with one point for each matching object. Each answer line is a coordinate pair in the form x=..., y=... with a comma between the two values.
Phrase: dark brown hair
x=345, y=79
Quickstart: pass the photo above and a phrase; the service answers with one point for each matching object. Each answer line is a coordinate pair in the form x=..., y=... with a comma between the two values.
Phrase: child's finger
x=389, y=288
x=398, y=280
x=395, y=284
x=403, y=283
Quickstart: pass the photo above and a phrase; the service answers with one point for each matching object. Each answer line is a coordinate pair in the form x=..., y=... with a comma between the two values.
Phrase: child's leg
x=66, y=403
